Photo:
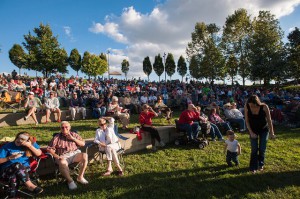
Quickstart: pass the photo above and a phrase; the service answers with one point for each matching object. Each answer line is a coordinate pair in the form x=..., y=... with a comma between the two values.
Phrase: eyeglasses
x=102, y=124
x=64, y=127
x=51, y=94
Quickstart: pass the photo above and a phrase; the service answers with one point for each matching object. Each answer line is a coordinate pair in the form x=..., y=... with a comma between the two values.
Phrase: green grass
x=184, y=171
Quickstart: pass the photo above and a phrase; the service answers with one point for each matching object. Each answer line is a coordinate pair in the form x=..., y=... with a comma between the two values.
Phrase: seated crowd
x=212, y=108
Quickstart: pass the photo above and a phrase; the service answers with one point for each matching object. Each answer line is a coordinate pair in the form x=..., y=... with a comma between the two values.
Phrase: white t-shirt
x=232, y=146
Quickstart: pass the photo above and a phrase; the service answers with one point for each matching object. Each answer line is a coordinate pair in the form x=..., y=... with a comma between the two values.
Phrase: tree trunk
x=232, y=80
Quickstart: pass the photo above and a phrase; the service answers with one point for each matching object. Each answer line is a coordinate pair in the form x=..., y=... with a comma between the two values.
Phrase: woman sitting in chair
x=115, y=110
x=15, y=163
x=164, y=109
x=108, y=142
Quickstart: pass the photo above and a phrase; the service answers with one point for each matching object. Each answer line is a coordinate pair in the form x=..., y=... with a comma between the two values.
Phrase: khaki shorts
x=69, y=156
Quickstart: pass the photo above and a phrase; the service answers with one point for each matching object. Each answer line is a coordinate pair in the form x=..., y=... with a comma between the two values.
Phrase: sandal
x=107, y=173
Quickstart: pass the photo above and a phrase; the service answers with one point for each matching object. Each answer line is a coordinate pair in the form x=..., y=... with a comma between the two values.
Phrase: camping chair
x=34, y=177
x=100, y=154
x=73, y=168
x=9, y=99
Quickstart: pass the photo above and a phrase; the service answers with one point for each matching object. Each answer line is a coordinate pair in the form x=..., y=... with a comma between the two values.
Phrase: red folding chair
x=34, y=177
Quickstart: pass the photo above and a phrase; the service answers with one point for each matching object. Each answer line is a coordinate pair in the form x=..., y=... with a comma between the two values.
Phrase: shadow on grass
x=205, y=182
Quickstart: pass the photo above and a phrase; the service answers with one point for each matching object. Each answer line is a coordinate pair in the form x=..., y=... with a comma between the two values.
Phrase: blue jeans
x=241, y=123
x=101, y=111
x=226, y=125
x=214, y=131
x=258, y=150
x=191, y=130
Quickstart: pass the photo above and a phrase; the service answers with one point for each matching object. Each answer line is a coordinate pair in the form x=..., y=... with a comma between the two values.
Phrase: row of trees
x=250, y=48
x=44, y=54
x=169, y=66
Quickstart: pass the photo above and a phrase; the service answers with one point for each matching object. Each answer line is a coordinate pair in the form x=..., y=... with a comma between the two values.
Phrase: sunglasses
x=64, y=127
x=102, y=124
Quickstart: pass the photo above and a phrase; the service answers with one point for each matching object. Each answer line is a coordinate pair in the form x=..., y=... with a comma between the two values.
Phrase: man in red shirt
x=188, y=121
x=145, y=119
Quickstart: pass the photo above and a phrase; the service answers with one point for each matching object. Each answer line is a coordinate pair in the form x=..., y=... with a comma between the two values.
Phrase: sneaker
x=82, y=181
x=37, y=190
x=261, y=168
x=221, y=140
x=162, y=144
x=213, y=140
x=36, y=123
x=72, y=185
x=73, y=119
x=83, y=118
x=59, y=121
x=25, y=118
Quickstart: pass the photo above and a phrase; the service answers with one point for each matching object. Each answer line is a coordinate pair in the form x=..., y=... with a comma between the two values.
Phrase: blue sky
x=131, y=29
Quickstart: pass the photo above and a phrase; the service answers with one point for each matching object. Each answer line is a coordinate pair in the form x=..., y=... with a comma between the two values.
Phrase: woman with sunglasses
x=108, y=141
x=14, y=162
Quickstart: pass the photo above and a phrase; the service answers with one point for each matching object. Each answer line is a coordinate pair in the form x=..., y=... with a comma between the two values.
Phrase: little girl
x=232, y=149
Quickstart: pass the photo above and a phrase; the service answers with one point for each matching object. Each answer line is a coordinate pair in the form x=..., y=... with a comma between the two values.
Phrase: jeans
x=232, y=156
x=241, y=123
x=214, y=131
x=101, y=111
x=258, y=150
x=192, y=130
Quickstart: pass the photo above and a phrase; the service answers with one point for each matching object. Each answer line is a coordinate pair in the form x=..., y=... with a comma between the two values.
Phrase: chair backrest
x=6, y=97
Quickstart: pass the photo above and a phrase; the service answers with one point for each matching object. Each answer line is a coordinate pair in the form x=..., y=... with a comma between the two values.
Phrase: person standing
x=232, y=149
x=259, y=124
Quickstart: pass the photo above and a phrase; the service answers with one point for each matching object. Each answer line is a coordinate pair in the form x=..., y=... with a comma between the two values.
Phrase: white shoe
x=162, y=144
x=72, y=185
x=36, y=123
x=83, y=118
x=82, y=181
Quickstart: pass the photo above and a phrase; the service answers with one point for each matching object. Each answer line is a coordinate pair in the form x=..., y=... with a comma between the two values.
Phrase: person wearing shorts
x=64, y=147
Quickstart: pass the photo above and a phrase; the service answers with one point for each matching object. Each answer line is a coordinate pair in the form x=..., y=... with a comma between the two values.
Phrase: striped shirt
x=62, y=145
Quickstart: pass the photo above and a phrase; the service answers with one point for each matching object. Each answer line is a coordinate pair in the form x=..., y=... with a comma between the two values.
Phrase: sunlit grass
x=183, y=171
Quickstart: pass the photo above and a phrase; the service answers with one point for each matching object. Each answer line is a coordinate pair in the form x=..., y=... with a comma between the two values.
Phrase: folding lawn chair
x=100, y=154
x=73, y=168
x=9, y=99
x=34, y=177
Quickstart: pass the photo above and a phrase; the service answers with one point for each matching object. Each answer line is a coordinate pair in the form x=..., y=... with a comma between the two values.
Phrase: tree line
x=251, y=48
x=44, y=54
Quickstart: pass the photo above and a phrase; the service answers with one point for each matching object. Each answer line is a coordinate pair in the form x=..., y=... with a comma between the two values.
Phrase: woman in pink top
x=217, y=120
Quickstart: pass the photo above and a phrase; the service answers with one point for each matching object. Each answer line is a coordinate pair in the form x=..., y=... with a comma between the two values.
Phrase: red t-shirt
x=146, y=118
x=187, y=117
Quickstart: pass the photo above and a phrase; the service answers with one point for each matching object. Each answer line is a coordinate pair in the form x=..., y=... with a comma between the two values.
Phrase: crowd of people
x=216, y=108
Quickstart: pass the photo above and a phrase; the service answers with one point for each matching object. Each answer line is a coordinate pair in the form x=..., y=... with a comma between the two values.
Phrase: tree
x=236, y=32
x=75, y=60
x=93, y=65
x=44, y=52
x=147, y=67
x=181, y=67
x=158, y=66
x=17, y=56
x=195, y=67
x=205, y=47
x=125, y=67
x=232, y=67
x=293, y=50
x=170, y=65
x=265, y=45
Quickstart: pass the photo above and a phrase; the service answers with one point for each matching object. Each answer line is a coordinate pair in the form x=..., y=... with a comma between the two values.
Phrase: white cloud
x=168, y=27
x=68, y=32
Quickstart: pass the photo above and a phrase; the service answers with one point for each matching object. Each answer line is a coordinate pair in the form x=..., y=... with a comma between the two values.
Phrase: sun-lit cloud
x=167, y=28
x=68, y=32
